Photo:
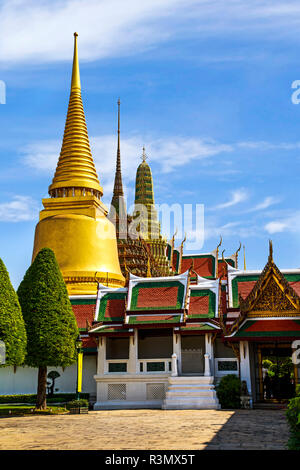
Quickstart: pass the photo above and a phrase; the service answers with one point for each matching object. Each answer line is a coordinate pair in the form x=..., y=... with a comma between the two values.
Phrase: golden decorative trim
x=272, y=295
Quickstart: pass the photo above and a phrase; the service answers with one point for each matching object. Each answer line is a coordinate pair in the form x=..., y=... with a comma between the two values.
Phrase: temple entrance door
x=275, y=374
x=192, y=355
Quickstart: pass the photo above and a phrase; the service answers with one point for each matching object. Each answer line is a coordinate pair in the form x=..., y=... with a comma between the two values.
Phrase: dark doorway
x=275, y=374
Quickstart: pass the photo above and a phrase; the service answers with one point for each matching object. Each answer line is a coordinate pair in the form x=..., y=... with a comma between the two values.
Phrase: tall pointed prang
x=118, y=186
x=118, y=200
x=75, y=172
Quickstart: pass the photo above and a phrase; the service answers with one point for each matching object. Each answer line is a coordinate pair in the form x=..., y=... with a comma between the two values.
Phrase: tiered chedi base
x=190, y=393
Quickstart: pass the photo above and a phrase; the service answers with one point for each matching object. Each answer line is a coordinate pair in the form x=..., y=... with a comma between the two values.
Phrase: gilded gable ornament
x=272, y=299
x=272, y=295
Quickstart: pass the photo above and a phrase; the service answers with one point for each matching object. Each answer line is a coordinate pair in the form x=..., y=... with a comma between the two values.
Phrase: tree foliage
x=49, y=319
x=12, y=328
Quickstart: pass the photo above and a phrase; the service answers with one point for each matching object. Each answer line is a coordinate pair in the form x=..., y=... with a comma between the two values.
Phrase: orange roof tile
x=83, y=313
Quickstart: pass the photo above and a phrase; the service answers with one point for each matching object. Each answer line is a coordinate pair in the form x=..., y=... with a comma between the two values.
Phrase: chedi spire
x=74, y=222
x=75, y=173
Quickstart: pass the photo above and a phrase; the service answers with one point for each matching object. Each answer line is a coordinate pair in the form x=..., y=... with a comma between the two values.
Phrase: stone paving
x=148, y=429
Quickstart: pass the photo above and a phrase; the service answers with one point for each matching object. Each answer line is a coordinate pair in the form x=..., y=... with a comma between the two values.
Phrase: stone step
x=191, y=387
x=210, y=393
x=190, y=404
x=191, y=393
x=191, y=380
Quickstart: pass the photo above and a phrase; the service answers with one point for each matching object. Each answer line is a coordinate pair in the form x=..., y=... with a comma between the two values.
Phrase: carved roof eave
x=247, y=304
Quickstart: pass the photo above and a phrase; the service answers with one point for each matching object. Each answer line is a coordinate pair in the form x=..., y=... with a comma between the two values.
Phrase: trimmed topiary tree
x=49, y=319
x=12, y=327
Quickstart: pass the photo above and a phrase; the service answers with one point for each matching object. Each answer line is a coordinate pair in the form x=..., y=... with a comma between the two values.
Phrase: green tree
x=49, y=319
x=12, y=328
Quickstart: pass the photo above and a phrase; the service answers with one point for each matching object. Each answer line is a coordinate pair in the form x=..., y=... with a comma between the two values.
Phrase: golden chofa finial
x=236, y=255
x=75, y=83
x=270, y=250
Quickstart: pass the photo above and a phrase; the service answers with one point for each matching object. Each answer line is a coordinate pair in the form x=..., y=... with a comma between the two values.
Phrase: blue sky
x=204, y=85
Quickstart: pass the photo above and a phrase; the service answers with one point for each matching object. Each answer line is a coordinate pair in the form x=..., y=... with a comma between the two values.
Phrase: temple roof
x=241, y=283
x=161, y=293
x=267, y=329
x=266, y=295
x=111, y=305
x=84, y=310
x=203, y=300
x=203, y=264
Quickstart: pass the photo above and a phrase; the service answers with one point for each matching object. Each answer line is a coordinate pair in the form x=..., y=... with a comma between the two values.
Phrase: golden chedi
x=74, y=221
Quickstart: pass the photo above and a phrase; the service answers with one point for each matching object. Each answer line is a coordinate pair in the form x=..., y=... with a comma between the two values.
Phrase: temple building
x=159, y=327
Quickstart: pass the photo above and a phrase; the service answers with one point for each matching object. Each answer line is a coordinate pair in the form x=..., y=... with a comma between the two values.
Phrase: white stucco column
x=133, y=353
x=177, y=350
x=245, y=365
x=101, y=355
x=209, y=349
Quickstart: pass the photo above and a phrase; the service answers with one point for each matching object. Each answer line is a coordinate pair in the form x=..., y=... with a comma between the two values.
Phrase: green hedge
x=31, y=398
x=293, y=417
x=78, y=403
x=229, y=391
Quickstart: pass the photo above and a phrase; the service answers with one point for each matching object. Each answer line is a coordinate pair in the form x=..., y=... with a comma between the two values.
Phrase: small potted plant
x=78, y=406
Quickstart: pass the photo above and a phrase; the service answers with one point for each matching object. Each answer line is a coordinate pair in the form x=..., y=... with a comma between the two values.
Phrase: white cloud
x=237, y=196
x=264, y=146
x=169, y=153
x=267, y=202
x=41, y=31
x=290, y=223
x=276, y=226
x=19, y=209
x=42, y=155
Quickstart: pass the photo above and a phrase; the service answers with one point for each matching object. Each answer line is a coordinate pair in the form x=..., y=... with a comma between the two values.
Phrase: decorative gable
x=272, y=295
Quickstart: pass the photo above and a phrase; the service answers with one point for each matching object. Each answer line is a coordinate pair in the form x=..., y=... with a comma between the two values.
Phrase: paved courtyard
x=148, y=429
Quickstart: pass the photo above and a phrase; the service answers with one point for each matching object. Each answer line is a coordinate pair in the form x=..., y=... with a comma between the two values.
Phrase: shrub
x=78, y=403
x=229, y=391
x=293, y=418
x=31, y=398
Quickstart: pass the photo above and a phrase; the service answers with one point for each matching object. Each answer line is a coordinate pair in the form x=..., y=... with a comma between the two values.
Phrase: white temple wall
x=24, y=381
x=127, y=391
x=225, y=361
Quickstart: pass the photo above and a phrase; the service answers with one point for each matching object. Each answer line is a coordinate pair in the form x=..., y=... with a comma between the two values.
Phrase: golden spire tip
x=75, y=83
